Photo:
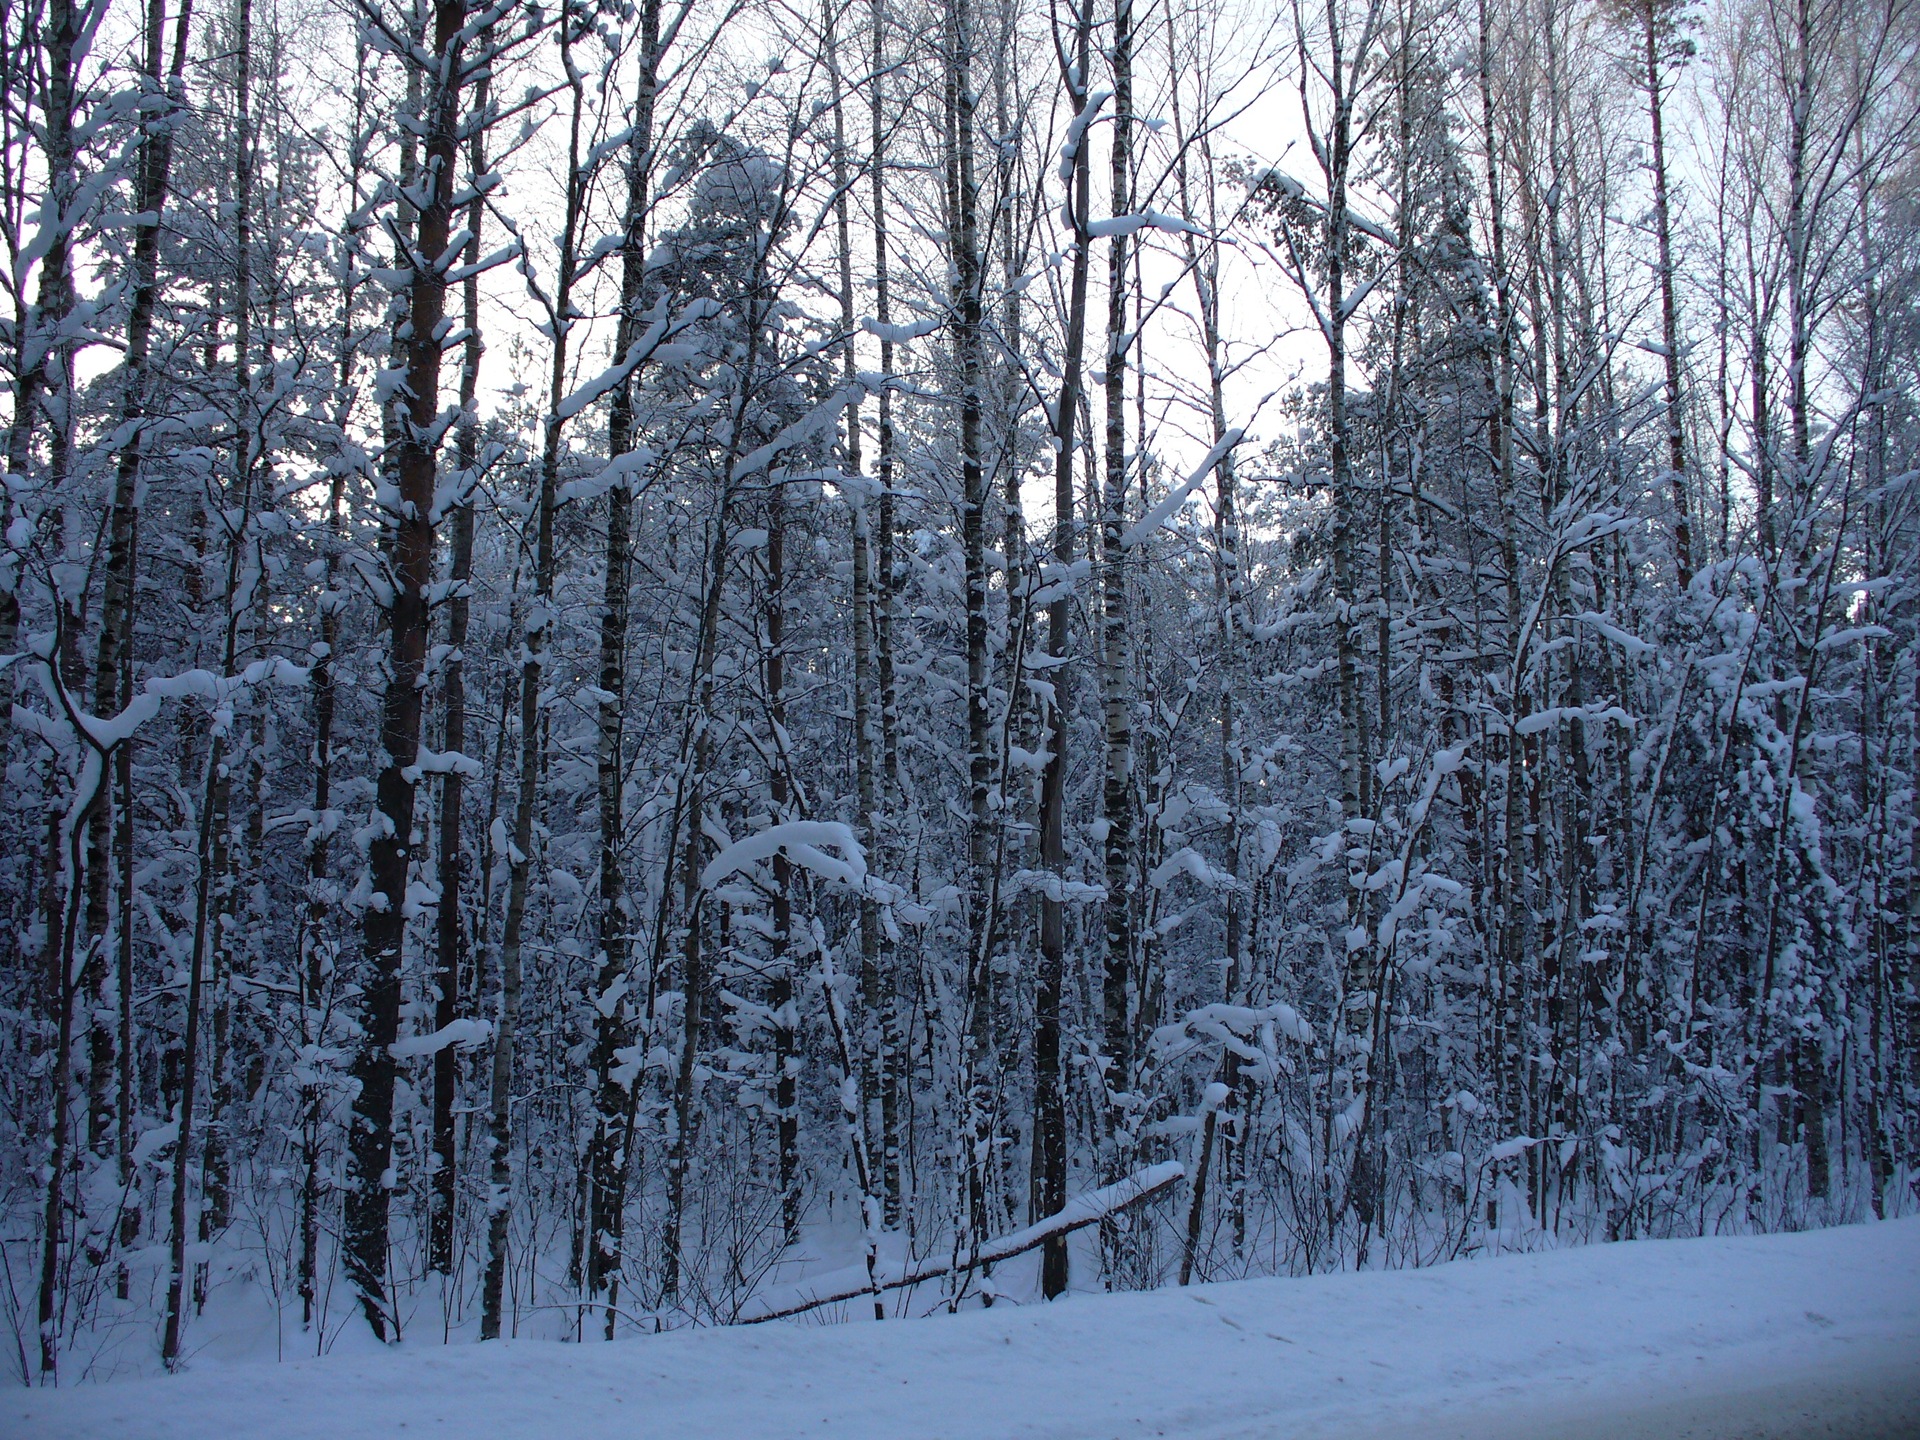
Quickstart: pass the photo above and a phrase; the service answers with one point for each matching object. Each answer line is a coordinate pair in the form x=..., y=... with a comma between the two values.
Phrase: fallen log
x=1083, y=1210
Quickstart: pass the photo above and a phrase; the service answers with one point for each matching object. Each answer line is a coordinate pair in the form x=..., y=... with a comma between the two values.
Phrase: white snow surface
x=1563, y=1339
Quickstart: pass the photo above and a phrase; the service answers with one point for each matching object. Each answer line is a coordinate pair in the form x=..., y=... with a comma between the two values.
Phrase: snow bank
x=1559, y=1345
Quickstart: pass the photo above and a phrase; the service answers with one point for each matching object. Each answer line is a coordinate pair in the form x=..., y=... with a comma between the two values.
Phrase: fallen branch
x=1078, y=1213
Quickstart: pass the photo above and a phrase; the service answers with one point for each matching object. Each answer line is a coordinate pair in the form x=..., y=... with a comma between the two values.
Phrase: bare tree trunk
x=1049, y=1100
x=216, y=1165
x=964, y=242
x=450, y=918
x=519, y=858
x=316, y=957
x=40, y=346
x=318, y=952
x=1504, y=1041
x=696, y=756
x=44, y=367
x=693, y=981
x=876, y=980
x=1349, y=60
x=786, y=1054
x=410, y=529
x=693, y=977
x=1652, y=15
x=608, y=1160
x=1229, y=600
x=892, y=1043
x=560, y=316
x=116, y=609
x=126, y=1089
x=212, y=865
x=1116, y=664
x=64, y=990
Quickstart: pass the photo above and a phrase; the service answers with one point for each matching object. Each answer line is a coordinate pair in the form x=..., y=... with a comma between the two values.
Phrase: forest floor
x=1751, y=1338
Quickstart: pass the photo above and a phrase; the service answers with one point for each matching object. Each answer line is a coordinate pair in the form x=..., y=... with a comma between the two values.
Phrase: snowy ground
x=1774, y=1338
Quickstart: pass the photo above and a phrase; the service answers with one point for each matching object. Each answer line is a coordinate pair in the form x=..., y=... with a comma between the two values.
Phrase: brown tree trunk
x=450, y=959
x=409, y=533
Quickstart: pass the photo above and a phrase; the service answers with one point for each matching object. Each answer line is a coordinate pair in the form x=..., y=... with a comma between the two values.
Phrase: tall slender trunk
x=1799, y=239
x=1229, y=601
x=316, y=953
x=450, y=926
x=560, y=315
x=1346, y=59
x=204, y=959
x=1669, y=307
x=696, y=756
x=127, y=1087
x=215, y=1195
x=693, y=960
x=1049, y=1100
x=317, y=950
x=787, y=1059
x=409, y=535
x=44, y=368
x=1116, y=664
x=519, y=861
x=892, y=1043
x=216, y=1165
x=1509, y=909
x=64, y=989
x=964, y=242
x=875, y=976
x=153, y=175
x=608, y=1160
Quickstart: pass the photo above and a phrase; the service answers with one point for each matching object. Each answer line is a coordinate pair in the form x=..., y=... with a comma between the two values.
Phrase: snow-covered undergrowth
x=1568, y=1332
x=248, y=1309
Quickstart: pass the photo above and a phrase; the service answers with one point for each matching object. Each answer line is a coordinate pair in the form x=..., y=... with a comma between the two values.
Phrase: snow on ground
x=1786, y=1335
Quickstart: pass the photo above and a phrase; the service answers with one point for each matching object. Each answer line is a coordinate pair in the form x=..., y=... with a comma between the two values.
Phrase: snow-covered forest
x=657, y=648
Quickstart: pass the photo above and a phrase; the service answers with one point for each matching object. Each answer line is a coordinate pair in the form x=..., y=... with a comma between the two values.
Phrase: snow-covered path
x=1784, y=1336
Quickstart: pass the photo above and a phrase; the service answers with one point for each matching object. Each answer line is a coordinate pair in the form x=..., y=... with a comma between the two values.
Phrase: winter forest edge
x=655, y=647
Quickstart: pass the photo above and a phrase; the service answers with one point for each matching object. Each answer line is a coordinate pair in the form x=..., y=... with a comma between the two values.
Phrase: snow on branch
x=1146, y=219
x=618, y=472
x=901, y=334
x=1188, y=861
x=1077, y=131
x=457, y=1032
x=1056, y=888
x=1083, y=1210
x=799, y=840
x=650, y=346
x=815, y=422
x=1164, y=511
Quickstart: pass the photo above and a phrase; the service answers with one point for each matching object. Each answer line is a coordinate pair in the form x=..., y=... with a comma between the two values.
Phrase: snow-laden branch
x=1077, y=133
x=815, y=422
x=618, y=472
x=1146, y=219
x=463, y=1033
x=799, y=840
x=1083, y=1210
x=1164, y=511
x=901, y=334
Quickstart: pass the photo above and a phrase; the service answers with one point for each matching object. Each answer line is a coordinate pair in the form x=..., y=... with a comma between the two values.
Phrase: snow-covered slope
x=1698, y=1337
